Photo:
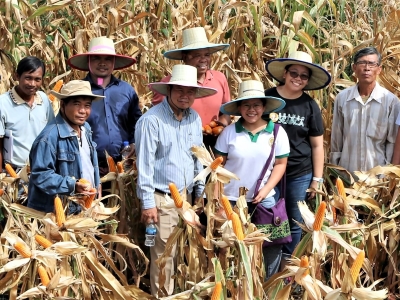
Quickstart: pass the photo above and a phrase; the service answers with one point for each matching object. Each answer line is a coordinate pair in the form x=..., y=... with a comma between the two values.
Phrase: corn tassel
x=216, y=295
x=111, y=164
x=216, y=163
x=44, y=277
x=176, y=196
x=23, y=250
x=60, y=216
x=120, y=167
x=11, y=171
x=57, y=88
x=42, y=241
x=226, y=204
x=89, y=198
x=356, y=267
x=305, y=264
x=340, y=188
x=319, y=216
x=237, y=226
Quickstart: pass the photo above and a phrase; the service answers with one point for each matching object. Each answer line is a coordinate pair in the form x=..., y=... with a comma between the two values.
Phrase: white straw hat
x=100, y=46
x=76, y=88
x=194, y=39
x=183, y=75
x=319, y=78
x=252, y=89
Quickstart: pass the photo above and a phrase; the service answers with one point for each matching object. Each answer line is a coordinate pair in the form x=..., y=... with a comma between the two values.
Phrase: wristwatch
x=317, y=179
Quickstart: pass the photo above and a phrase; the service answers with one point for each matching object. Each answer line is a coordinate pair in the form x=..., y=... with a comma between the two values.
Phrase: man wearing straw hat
x=64, y=151
x=113, y=118
x=196, y=51
x=364, y=118
x=164, y=136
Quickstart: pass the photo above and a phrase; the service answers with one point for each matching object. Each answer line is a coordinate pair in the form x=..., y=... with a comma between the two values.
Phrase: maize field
x=349, y=249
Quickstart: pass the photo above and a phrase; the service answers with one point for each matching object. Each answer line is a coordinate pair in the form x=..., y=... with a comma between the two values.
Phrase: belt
x=162, y=192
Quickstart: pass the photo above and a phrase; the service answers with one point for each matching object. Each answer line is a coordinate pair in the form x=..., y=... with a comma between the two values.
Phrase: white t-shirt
x=247, y=154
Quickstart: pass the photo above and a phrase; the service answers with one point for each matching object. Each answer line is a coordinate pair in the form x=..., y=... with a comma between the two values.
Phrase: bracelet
x=317, y=179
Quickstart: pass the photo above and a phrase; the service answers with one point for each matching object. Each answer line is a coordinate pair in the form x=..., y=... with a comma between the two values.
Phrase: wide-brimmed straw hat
x=252, y=89
x=194, y=39
x=319, y=78
x=183, y=75
x=76, y=88
x=100, y=46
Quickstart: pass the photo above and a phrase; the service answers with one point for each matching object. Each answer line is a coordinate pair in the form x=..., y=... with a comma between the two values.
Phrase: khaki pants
x=167, y=220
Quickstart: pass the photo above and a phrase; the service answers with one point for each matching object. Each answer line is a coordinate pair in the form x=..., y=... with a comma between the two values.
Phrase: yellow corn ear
x=23, y=249
x=319, y=216
x=216, y=295
x=1, y=192
x=84, y=181
x=120, y=167
x=340, y=188
x=89, y=198
x=111, y=164
x=57, y=88
x=60, y=215
x=44, y=277
x=42, y=241
x=176, y=196
x=216, y=163
x=226, y=204
x=356, y=267
x=304, y=264
x=237, y=226
x=11, y=171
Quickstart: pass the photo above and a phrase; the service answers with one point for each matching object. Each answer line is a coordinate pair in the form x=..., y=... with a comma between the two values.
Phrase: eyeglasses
x=254, y=106
x=294, y=74
x=365, y=63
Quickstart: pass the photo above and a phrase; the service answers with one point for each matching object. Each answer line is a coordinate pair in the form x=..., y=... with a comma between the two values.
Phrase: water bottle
x=151, y=231
x=125, y=150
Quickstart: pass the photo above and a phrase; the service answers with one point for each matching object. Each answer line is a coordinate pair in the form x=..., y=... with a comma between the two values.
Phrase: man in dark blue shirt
x=113, y=118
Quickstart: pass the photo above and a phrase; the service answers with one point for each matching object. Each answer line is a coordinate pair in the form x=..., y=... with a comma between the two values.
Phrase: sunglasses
x=294, y=74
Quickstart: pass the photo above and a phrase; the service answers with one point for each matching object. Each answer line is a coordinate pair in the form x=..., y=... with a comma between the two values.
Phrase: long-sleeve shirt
x=163, y=152
x=113, y=118
x=363, y=134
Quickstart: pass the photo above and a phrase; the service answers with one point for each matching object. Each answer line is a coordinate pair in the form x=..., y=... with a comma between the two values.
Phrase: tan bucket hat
x=194, y=39
x=252, y=89
x=100, y=46
x=76, y=88
x=183, y=75
x=319, y=78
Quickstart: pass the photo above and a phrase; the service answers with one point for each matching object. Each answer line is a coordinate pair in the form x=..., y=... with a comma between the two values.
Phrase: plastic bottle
x=125, y=150
x=150, y=234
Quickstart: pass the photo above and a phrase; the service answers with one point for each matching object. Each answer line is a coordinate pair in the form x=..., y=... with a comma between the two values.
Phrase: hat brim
x=273, y=104
x=62, y=96
x=319, y=79
x=162, y=88
x=177, y=53
x=80, y=61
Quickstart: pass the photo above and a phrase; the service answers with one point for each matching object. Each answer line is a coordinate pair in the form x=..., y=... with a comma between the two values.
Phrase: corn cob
x=89, y=198
x=340, y=188
x=57, y=88
x=23, y=250
x=175, y=195
x=227, y=206
x=356, y=267
x=11, y=171
x=111, y=164
x=304, y=264
x=216, y=295
x=60, y=216
x=44, y=277
x=216, y=163
x=42, y=241
x=237, y=226
x=120, y=167
x=319, y=216
x=1, y=192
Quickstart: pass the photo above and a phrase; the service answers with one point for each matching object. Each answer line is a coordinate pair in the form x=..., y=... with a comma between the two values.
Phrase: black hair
x=69, y=99
x=30, y=64
x=309, y=70
x=263, y=100
x=367, y=51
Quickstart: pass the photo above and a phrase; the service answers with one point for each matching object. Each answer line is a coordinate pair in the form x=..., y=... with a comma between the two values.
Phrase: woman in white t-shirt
x=246, y=146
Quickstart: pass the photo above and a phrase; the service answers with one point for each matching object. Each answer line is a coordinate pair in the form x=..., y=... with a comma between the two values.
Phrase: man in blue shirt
x=164, y=136
x=113, y=118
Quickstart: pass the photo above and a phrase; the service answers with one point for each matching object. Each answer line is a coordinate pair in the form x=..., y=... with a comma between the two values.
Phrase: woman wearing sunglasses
x=301, y=118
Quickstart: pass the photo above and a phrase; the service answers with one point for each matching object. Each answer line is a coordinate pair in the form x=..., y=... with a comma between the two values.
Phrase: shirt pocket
x=65, y=156
x=377, y=129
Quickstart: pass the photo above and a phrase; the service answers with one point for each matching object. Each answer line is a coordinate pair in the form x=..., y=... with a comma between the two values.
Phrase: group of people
x=100, y=112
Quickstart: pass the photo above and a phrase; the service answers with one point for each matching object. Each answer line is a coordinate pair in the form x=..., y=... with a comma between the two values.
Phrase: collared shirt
x=163, y=152
x=247, y=153
x=206, y=107
x=25, y=122
x=363, y=134
x=113, y=118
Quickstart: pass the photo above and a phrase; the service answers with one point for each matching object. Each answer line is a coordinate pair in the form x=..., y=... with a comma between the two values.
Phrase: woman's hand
x=313, y=185
x=262, y=194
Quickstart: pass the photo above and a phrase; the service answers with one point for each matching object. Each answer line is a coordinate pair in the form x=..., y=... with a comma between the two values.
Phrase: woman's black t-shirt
x=301, y=118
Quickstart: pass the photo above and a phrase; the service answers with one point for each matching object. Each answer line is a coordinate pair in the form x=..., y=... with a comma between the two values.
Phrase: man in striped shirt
x=164, y=136
x=364, y=128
